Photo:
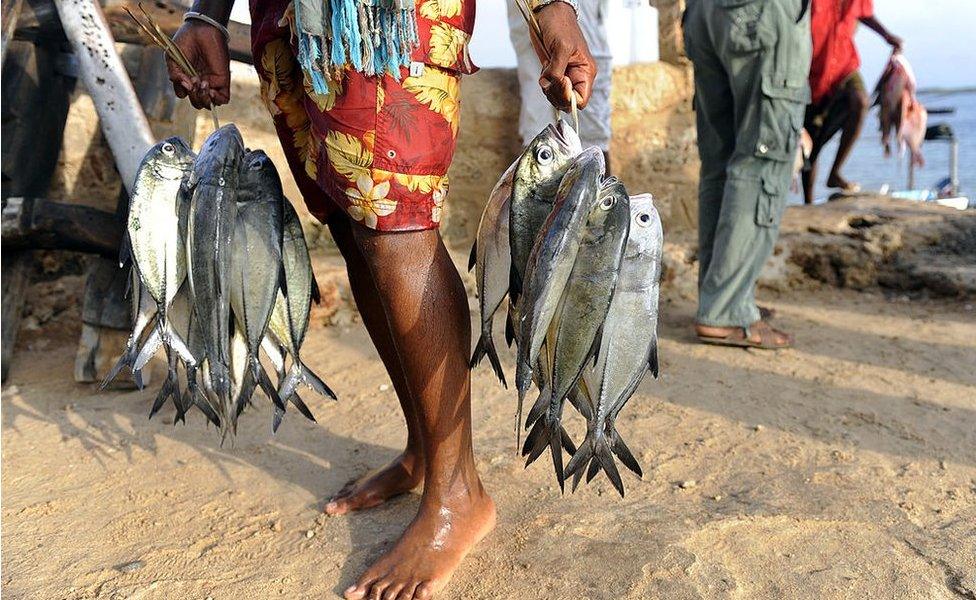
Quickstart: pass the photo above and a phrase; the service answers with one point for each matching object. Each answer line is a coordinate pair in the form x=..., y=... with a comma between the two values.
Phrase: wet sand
x=845, y=468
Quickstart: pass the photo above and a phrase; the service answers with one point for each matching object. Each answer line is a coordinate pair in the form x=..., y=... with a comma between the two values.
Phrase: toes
x=407, y=593
x=424, y=591
x=376, y=591
x=336, y=507
x=393, y=591
x=362, y=587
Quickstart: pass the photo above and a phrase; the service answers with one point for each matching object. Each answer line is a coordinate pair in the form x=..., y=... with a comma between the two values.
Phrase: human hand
x=895, y=42
x=206, y=50
x=567, y=65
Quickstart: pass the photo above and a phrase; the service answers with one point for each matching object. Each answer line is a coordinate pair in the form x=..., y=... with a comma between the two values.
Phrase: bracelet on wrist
x=538, y=4
x=195, y=16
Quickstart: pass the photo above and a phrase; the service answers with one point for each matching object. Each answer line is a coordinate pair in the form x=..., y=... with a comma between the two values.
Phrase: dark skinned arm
x=206, y=49
x=875, y=25
x=567, y=65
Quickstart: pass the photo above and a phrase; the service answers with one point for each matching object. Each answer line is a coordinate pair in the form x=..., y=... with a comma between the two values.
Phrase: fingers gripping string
x=158, y=37
x=536, y=32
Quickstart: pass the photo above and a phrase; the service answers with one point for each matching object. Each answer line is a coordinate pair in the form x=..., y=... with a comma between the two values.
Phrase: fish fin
x=619, y=448
x=276, y=419
x=567, y=441
x=592, y=471
x=535, y=443
x=577, y=478
x=164, y=393
x=597, y=343
x=137, y=379
x=248, y=384
x=473, y=258
x=556, y=450
x=282, y=280
x=578, y=399
x=514, y=285
x=148, y=350
x=126, y=360
x=315, y=382
x=603, y=456
x=580, y=458
x=261, y=375
x=509, y=330
x=652, y=362
x=316, y=292
x=125, y=251
x=302, y=407
x=196, y=397
x=541, y=403
x=486, y=347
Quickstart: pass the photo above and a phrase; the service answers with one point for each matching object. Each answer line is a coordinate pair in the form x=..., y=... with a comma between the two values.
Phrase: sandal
x=767, y=313
x=740, y=338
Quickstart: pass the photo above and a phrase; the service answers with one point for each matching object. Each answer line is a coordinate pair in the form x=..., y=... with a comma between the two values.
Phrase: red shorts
x=377, y=148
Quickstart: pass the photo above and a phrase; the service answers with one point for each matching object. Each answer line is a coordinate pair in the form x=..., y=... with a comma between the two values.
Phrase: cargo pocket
x=745, y=18
x=768, y=203
x=780, y=118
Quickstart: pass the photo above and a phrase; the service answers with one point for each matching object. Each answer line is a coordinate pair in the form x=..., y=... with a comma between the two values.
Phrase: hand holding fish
x=206, y=50
x=568, y=66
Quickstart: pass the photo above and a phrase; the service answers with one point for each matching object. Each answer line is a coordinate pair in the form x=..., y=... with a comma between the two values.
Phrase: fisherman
x=839, y=99
x=751, y=59
x=368, y=121
x=535, y=112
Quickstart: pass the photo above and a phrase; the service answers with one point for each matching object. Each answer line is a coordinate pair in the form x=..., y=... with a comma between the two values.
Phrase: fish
x=144, y=317
x=628, y=349
x=491, y=258
x=538, y=172
x=575, y=335
x=155, y=240
x=290, y=315
x=552, y=260
x=899, y=109
x=256, y=271
x=210, y=229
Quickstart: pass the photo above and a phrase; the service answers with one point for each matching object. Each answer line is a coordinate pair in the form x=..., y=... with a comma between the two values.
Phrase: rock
x=130, y=566
x=309, y=534
x=687, y=484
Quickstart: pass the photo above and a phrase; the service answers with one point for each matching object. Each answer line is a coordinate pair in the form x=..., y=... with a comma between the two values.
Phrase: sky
x=938, y=37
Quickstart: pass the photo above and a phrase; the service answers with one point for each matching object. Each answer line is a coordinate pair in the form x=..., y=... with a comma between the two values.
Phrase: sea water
x=868, y=166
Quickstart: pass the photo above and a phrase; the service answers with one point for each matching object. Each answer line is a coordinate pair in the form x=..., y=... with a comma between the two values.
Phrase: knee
x=393, y=256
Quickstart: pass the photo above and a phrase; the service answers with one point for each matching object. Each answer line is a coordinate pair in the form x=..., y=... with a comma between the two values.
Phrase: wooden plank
x=16, y=279
x=120, y=115
x=34, y=223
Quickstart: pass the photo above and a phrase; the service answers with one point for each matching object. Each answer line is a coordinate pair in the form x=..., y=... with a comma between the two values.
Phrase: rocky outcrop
x=870, y=241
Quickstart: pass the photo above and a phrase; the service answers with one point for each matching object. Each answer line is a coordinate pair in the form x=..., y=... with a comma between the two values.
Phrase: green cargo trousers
x=751, y=61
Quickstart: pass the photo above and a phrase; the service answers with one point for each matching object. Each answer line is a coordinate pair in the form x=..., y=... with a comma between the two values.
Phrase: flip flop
x=740, y=338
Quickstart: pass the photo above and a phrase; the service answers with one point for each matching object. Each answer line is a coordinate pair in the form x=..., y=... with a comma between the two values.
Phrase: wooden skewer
x=159, y=38
x=536, y=32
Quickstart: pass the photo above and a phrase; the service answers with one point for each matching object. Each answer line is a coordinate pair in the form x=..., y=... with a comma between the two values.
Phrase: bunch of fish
x=899, y=109
x=220, y=270
x=580, y=262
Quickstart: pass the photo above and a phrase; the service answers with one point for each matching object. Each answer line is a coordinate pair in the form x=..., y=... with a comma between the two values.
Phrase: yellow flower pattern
x=369, y=201
x=437, y=9
x=439, y=90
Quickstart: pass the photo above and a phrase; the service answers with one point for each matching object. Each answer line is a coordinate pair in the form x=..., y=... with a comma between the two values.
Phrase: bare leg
x=857, y=103
x=809, y=177
x=406, y=471
x=427, y=311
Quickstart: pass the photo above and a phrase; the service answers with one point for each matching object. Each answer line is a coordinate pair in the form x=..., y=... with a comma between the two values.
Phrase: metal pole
x=123, y=122
x=911, y=173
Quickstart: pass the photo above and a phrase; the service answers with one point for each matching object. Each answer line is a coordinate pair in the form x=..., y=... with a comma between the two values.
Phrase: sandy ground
x=845, y=468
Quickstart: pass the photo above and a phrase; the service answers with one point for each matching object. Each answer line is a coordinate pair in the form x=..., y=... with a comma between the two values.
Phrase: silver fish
x=256, y=271
x=491, y=257
x=628, y=348
x=576, y=333
x=144, y=316
x=289, y=318
x=210, y=230
x=538, y=172
x=552, y=259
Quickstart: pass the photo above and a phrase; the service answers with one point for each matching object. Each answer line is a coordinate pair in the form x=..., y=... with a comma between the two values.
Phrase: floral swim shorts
x=377, y=148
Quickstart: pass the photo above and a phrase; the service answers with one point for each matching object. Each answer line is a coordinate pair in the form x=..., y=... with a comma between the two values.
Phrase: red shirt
x=832, y=26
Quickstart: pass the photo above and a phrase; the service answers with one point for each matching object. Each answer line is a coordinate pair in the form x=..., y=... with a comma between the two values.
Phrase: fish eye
x=608, y=202
x=644, y=219
x=168, y=149
x=544, y=155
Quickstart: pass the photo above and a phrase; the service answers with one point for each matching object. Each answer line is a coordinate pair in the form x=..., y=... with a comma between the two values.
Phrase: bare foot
x=399, y=477
x=426, y=555
x=836, y=181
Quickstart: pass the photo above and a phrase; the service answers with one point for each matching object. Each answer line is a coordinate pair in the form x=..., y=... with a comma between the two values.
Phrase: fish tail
x=302, y=407
x=486, y=347
x=261, y=375
x=126, y=360
x=605, y=459
x=549, y=433
x=300, y=373
x=315, y=382
x=149, y=349
x=620, y=449
x=164, y=392
x=198, y=398
x=276, y=419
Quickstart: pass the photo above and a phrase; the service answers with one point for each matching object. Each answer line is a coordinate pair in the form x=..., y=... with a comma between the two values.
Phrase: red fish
x=899, y=108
